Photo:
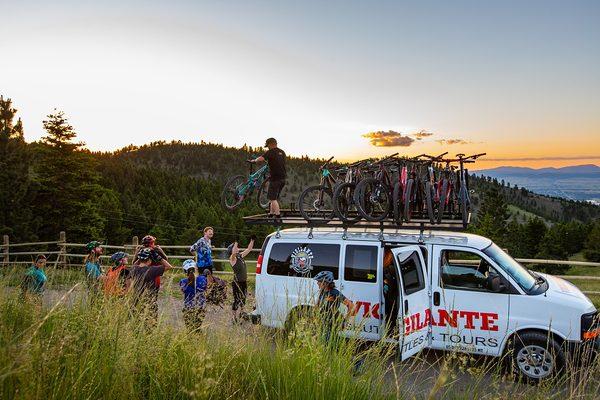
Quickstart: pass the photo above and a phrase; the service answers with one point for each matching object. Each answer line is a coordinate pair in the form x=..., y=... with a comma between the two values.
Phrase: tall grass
x=76, y=349
x=101, y=350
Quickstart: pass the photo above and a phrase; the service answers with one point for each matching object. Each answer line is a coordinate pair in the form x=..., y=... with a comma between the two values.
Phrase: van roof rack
x=292, y=218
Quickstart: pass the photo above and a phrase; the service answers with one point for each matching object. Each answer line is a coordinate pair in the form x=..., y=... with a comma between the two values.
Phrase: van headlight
x=590, y=326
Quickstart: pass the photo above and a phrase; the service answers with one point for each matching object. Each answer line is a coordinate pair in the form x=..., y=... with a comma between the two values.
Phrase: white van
x=455, y=291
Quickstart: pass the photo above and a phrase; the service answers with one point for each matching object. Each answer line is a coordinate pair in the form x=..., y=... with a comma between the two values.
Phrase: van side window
x=464, y=270
x=303, y=259
x=412, y=274
x=361, y=263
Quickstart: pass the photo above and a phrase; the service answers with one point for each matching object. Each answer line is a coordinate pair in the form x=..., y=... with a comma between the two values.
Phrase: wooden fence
x=66, y=252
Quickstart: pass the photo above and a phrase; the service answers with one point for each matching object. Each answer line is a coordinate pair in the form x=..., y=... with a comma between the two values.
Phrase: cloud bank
x=388, y=139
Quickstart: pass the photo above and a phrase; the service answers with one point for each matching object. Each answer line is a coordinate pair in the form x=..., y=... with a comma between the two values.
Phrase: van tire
x=536, y=356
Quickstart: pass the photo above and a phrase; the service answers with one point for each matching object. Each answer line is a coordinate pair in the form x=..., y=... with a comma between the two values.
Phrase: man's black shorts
x=275, y=189
x=240, y=291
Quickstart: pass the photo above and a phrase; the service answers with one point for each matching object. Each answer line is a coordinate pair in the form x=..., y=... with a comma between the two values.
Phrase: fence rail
x=63, y=255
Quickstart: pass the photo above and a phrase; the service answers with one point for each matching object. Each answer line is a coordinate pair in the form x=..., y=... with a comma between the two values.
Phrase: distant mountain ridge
x=577, y=182
x=586, y=170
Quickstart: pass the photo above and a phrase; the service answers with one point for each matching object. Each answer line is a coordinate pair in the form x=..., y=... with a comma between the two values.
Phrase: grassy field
x=74, y=349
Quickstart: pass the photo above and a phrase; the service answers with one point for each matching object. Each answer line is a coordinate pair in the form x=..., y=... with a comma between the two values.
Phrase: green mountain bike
x=240, y=187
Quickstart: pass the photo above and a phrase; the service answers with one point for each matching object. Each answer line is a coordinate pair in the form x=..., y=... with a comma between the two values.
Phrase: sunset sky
x=519, y=80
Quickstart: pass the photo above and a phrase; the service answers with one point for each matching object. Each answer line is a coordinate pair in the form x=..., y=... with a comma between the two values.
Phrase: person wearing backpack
x=93, y=271
x=143, y=284
x=156, y=253
x=194, y=301
x=118, y=278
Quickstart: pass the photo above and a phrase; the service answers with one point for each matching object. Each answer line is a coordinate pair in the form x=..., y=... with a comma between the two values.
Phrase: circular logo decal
x=302, y=260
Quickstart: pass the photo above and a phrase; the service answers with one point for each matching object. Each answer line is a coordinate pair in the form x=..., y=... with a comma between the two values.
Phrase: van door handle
x=436, y=298
x=405, y=306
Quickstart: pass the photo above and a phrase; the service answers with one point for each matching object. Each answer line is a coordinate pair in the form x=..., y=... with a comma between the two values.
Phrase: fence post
x=134, y=244
x=62, y=241
x=5, y=244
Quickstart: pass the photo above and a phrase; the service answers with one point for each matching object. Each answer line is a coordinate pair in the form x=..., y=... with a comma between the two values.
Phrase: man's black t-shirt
x=144, y=278
x=276, y=159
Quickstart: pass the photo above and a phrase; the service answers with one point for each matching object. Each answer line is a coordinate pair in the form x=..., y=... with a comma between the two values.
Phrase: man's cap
x=230, y=249
x=270, y=141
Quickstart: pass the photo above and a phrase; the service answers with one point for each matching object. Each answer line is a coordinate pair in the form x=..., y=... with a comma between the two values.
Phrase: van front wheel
x=536, y=356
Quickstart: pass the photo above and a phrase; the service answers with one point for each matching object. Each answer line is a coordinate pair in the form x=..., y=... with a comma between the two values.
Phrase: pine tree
x=15, y=214
x=492, y=217
x=68, y=184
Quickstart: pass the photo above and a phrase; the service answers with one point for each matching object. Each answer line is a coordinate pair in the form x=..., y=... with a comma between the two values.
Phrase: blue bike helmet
x=324, y=276
x=118, y=256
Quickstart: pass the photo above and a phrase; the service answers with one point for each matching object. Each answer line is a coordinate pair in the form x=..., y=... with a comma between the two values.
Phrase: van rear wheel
x=536, y=356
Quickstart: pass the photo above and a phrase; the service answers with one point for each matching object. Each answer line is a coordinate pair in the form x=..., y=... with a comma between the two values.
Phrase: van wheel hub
x=535, y=361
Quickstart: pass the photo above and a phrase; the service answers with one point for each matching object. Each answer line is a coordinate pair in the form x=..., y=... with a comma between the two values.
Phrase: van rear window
x=303, y=259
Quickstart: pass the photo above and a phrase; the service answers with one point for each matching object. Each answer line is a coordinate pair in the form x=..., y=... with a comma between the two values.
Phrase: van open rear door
x=414, y=300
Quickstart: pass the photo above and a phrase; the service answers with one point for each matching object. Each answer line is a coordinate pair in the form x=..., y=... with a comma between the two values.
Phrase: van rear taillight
x=259, y=264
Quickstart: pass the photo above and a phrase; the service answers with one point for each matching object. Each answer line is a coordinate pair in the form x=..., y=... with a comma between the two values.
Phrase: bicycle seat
x=460, y=155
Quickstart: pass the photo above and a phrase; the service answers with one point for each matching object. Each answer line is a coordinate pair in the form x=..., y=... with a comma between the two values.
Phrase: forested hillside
x=172, y=190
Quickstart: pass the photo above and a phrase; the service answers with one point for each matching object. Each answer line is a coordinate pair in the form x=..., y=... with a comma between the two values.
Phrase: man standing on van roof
x=275, y=157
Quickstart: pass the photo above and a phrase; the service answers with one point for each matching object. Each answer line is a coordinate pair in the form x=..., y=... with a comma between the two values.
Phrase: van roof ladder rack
x=292, y=218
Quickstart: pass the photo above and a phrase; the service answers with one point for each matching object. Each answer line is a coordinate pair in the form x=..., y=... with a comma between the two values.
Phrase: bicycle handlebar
x=326, y=162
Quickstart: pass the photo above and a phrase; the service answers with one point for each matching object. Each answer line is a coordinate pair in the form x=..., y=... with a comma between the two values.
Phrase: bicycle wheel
x=398, y=203
x=316, y=203
x=374, y=199
x=261, y=196
x=234, y=192
x=442, y=206
x=429, y=195
x=408, y=199
x=343, y=203
x=464, y=205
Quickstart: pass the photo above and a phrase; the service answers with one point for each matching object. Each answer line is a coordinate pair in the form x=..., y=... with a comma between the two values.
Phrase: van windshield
x=520, y=274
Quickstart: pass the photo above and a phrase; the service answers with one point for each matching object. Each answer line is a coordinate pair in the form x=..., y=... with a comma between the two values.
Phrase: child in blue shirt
x=35, y=278
x=194, y=296
x=93, y=271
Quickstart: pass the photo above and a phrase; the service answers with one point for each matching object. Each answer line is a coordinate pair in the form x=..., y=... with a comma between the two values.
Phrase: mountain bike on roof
x=373, y=195
x=464, y=199
x=316, y=202
x=240, y=187
x=417, y=192
x=453, y=188
x=344, y=206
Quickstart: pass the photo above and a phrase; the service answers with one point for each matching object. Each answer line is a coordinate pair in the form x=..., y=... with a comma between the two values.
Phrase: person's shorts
x=275, y=189
x=240, y=290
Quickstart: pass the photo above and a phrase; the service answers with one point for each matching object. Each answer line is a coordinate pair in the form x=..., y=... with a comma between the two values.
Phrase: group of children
x=199, y=287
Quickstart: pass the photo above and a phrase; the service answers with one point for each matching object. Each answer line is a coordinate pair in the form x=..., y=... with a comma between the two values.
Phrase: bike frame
x=255, y=179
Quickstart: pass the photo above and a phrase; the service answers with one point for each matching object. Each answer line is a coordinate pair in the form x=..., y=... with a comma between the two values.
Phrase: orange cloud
x=422, y=134
x=388, y=139
x=452, y=141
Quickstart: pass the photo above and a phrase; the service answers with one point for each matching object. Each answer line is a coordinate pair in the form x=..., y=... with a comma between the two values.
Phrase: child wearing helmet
x=194, y=289
x=118, y=277
x=156, y=254
x=328, y=303
x=144, y=275
x=35, y=280
x=93, y=271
